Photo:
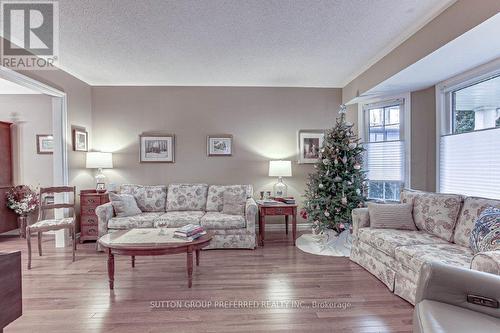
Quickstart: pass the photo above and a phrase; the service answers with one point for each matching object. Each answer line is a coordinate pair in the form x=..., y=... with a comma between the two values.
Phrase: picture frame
x=157, y=148
x=310, y=142
x=44, y=144
x=80, y=139
x=219, y=145
x=100, y=187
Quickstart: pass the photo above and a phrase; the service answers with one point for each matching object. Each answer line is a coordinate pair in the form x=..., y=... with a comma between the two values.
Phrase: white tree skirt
x=326, y=244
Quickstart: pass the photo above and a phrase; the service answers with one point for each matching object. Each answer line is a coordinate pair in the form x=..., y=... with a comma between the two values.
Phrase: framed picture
x=310, y=142
x=100, y=187
x=44, y=144
x=220, y=145
x=80, y=139
x=157, y=148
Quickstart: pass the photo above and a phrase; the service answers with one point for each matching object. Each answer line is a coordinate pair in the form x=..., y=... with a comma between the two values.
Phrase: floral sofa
x=444, y=223
x=180, y=204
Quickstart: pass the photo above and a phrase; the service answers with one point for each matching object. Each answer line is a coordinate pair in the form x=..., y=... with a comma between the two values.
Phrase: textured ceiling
x=306, y=43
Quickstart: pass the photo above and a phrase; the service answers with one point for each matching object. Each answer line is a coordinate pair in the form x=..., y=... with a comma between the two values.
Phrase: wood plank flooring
x=329, y=294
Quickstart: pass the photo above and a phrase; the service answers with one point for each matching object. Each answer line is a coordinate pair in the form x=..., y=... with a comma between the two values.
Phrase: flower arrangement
x=22, y=199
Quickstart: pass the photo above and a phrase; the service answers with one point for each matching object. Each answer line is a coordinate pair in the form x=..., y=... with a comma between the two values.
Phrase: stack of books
x=189, y=232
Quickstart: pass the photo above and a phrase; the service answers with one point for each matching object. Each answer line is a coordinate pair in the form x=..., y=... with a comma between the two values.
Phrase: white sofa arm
x=488, y=262
x=250, y=214
x=104, y=214
x=360, y=219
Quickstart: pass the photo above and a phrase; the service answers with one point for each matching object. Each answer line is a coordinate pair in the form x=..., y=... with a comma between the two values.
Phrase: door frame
x=59, y=129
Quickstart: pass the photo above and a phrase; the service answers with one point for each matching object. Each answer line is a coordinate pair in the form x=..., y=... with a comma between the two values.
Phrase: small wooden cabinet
x=89, y=200
x=276, y=210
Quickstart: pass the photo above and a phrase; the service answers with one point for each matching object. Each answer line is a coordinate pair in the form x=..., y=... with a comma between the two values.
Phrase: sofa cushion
x=485, y=235
x=150, y=198
x=472, y=208
x=391, y=216
x=143, y=220
x=488, y=262
x=216, y=220
x=187, y=197
x=124, y=204
x=437, y=213
x=215, y=199
x=178, y=219
x=387, y=240
x=234, y=203
x=414, y=256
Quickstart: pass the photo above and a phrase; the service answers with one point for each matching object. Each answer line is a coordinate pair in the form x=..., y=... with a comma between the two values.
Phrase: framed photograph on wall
x=310, y=142
x=157, y=148
x=80, y=139
x=45, y=144
x=220, y=145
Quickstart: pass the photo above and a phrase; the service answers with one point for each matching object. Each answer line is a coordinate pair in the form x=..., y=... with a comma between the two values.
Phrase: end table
x=277, y=210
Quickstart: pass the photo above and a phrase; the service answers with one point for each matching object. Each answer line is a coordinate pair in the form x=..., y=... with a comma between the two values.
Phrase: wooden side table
x=275, y=210
x=89, y=200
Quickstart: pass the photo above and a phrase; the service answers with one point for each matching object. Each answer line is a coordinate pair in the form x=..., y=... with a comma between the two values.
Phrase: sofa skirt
x=374, y=266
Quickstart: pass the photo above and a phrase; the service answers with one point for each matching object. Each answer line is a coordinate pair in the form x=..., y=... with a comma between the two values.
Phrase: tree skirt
x=326, y=244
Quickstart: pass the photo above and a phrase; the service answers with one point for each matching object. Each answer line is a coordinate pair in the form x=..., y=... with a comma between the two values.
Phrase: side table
x=277, y=210
x=89, y=200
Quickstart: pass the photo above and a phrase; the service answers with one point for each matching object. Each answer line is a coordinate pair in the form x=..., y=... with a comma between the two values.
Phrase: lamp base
x=280, y=189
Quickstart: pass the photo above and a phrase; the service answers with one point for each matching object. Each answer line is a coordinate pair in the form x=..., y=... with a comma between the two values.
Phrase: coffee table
x=150, y=242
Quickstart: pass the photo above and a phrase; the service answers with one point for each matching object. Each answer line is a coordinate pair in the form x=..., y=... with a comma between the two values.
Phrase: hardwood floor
x=63, y=297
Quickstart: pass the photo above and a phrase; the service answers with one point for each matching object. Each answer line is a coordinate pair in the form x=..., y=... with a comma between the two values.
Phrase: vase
x=21, y=223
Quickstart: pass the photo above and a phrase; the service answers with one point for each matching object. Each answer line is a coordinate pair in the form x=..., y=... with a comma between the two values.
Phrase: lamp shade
x=280, y=168
x=97, y=160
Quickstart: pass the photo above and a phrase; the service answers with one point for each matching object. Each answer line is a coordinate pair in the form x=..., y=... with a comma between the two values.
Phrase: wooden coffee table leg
x=133, y=261
x=190, y=266
x=197, y=257
x=111, y=269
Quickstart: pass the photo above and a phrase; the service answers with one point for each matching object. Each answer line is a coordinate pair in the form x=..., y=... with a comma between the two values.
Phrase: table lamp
x=99, y=160
x=280, y=169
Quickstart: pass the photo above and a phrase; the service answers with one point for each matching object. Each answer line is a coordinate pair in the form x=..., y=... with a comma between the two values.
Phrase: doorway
x=58, y=104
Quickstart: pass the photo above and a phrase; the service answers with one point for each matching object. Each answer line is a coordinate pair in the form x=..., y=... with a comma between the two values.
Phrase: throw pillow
x=391, y=216
x=234, y=203
x=124, y=204
x=485, y=236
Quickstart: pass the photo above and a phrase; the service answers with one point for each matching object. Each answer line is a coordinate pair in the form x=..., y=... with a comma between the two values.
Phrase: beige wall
x=34, y=116
x=263, y=121
x=79, y=114
x=457, y=19
x=423, y=139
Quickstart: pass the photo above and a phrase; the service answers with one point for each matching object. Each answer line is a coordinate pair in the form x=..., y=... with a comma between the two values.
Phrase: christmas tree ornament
x=344, y=159
x=357, y=166
x=327, y=214
x=344, y=200
x=320, y=185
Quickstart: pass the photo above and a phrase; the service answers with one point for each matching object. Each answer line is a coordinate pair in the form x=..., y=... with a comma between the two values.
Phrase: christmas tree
x=337, y=186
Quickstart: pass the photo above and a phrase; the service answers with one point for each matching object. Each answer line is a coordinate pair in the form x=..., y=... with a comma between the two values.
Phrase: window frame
x=444, y=103
x=403, y=99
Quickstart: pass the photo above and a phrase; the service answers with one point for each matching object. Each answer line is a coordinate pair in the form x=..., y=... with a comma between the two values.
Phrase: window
x=469, y=147
x=385, y=149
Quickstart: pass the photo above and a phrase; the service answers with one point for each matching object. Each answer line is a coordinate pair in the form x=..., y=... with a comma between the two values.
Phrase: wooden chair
x=43, y=224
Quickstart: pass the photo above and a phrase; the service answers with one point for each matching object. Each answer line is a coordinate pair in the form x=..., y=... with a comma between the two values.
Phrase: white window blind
x=470, y=163
x=385, y=161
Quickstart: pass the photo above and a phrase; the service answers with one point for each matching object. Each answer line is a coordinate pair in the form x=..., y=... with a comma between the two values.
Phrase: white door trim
x=59, y=128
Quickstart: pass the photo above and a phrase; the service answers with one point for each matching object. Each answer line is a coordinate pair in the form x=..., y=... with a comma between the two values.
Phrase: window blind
x=385, y=161
x=470, y=163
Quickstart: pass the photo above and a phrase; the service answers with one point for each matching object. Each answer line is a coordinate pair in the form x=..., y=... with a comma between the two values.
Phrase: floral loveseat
x=180, y=204
x=444, y=223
